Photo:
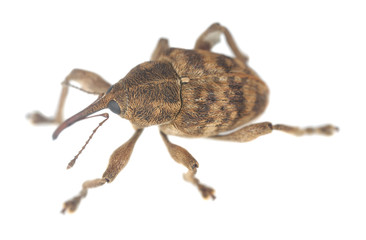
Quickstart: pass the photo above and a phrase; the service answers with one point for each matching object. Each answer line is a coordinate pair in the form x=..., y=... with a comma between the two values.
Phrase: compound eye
x=113, y=106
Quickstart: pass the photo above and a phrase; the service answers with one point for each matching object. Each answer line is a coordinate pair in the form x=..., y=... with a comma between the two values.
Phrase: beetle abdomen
x=212, y=104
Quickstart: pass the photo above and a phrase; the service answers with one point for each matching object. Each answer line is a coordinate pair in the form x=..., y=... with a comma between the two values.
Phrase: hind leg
x=251, y=132
x=211, y=37
x=90, y=82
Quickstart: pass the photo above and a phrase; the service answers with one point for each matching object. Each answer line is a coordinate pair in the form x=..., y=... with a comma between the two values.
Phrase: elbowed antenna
x=98, y=105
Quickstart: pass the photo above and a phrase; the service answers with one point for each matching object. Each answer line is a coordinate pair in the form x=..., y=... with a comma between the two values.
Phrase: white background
x=312, y=56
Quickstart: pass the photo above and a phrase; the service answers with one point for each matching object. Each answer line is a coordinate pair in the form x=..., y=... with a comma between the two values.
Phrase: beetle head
x=114, y=99
x=148, y=95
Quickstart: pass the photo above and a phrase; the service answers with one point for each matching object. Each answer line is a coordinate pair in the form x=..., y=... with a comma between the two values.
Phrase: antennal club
x=106, y=115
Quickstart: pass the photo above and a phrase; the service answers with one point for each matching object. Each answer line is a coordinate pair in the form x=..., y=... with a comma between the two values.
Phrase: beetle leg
x=117, y=162
x=327, y=130
x=211, y=37
x=183, y=157
x=90, y=82
x=160, y=48
x=251, y=132
x=247, y=133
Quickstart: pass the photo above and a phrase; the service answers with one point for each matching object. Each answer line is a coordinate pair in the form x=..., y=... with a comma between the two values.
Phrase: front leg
x=90, y=82
x=183, y=157
x=117, y=162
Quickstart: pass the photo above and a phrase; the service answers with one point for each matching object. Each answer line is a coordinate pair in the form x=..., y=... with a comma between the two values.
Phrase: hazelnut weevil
x=187, y=93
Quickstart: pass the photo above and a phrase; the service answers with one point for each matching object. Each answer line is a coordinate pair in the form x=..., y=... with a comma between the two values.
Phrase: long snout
x=98, y=105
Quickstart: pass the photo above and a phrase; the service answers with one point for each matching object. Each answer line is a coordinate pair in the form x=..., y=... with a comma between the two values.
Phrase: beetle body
x=187, y=93
x=191, y=94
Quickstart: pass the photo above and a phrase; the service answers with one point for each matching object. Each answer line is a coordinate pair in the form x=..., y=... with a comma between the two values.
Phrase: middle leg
x=183, y=157
x=160, y=48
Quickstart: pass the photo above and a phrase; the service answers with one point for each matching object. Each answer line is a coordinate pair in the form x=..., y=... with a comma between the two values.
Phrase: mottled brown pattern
x=224, y=62
x=153, y=93
x=219, y=96
x=198, y=63
x=211, y=105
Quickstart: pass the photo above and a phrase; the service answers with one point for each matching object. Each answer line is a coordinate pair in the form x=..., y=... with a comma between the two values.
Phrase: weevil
x=186, y=93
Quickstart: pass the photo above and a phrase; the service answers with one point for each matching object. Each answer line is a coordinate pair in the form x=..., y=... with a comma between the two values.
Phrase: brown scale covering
x=153, y=94
x=221, y=94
